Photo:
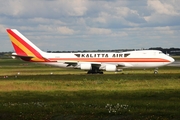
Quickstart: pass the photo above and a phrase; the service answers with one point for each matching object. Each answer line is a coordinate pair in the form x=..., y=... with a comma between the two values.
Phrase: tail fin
x=24, y=48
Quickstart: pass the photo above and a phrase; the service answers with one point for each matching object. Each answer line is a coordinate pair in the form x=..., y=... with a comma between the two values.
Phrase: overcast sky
x=92, y=24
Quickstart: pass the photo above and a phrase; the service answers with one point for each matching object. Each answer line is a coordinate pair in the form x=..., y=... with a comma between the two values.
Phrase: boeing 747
x=93, y=63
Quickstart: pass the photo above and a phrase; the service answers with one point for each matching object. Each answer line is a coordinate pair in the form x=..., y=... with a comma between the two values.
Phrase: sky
x=65, y=25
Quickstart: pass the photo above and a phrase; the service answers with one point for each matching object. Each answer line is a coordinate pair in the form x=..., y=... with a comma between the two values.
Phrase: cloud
x=119, y=34
x=80, y=23
x=162, y=8
x=13, y=8
x=55, y=29
x=98, y=31
x=65, y=30
x=45, y=8
x=164, y=30
x=76, y=7
x=2, y=29
x=46, y=21
x=162, y=13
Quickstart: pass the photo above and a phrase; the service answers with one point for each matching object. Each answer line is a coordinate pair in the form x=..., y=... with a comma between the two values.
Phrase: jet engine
x=111, y=68
x=14, y=56
x=86, y=66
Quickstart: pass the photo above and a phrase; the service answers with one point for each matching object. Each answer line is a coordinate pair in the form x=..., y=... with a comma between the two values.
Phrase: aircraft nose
x=171, y=59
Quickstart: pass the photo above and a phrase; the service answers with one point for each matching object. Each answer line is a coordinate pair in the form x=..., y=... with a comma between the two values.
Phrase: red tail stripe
x=20, y=51
x=36, y=53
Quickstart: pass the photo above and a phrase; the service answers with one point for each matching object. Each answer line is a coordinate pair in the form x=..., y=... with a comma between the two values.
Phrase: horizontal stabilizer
x=20, y=56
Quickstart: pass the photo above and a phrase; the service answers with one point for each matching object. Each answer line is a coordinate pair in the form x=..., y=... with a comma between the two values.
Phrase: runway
x=175, y=64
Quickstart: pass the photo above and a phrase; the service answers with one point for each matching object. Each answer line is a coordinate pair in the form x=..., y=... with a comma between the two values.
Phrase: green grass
x=177, y=58
x=68, y=94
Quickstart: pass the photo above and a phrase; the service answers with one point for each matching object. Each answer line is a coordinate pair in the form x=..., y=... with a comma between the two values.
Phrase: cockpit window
x=160, y=52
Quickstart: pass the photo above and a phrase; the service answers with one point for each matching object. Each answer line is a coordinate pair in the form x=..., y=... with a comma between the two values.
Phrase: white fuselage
x=132, y=59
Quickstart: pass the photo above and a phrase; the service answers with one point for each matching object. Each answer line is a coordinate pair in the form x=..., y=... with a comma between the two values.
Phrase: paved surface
x=175, y=64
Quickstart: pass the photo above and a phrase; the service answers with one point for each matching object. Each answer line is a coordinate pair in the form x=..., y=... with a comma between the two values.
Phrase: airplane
x=93, y=63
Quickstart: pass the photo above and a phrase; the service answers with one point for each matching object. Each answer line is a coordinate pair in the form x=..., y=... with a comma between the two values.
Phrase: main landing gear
x=95, y=70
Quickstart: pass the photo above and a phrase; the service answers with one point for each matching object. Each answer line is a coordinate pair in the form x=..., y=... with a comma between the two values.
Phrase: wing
x=123, y=65
x=77, y=63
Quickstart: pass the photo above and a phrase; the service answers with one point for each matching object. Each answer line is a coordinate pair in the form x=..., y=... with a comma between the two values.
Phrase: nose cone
x=171, y=59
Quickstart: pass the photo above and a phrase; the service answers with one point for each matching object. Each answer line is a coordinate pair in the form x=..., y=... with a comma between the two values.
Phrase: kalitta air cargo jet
x=94, y=63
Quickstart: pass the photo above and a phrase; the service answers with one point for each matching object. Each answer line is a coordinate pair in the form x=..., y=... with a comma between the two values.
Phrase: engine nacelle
x=86, y=66
x=111, y=68
x=14, y=56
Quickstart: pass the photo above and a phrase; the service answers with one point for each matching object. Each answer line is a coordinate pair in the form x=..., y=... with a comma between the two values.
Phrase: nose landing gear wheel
x=156, y=71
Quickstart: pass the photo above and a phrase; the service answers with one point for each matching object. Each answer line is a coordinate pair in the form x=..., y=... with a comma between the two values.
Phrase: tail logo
x=23, y=47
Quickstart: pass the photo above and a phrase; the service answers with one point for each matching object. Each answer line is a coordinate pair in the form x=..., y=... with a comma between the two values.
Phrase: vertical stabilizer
x=23, y=47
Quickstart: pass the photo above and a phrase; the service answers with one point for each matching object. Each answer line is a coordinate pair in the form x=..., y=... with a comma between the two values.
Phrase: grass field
x=38, y=92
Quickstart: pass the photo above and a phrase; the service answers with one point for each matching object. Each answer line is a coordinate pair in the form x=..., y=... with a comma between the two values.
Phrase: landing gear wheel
x=155, y=71
x=94, y=72
x=100, y=72
x=90, y=72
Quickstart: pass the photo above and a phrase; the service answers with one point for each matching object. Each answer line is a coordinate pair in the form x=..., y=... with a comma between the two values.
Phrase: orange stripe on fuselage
x=111, y=59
